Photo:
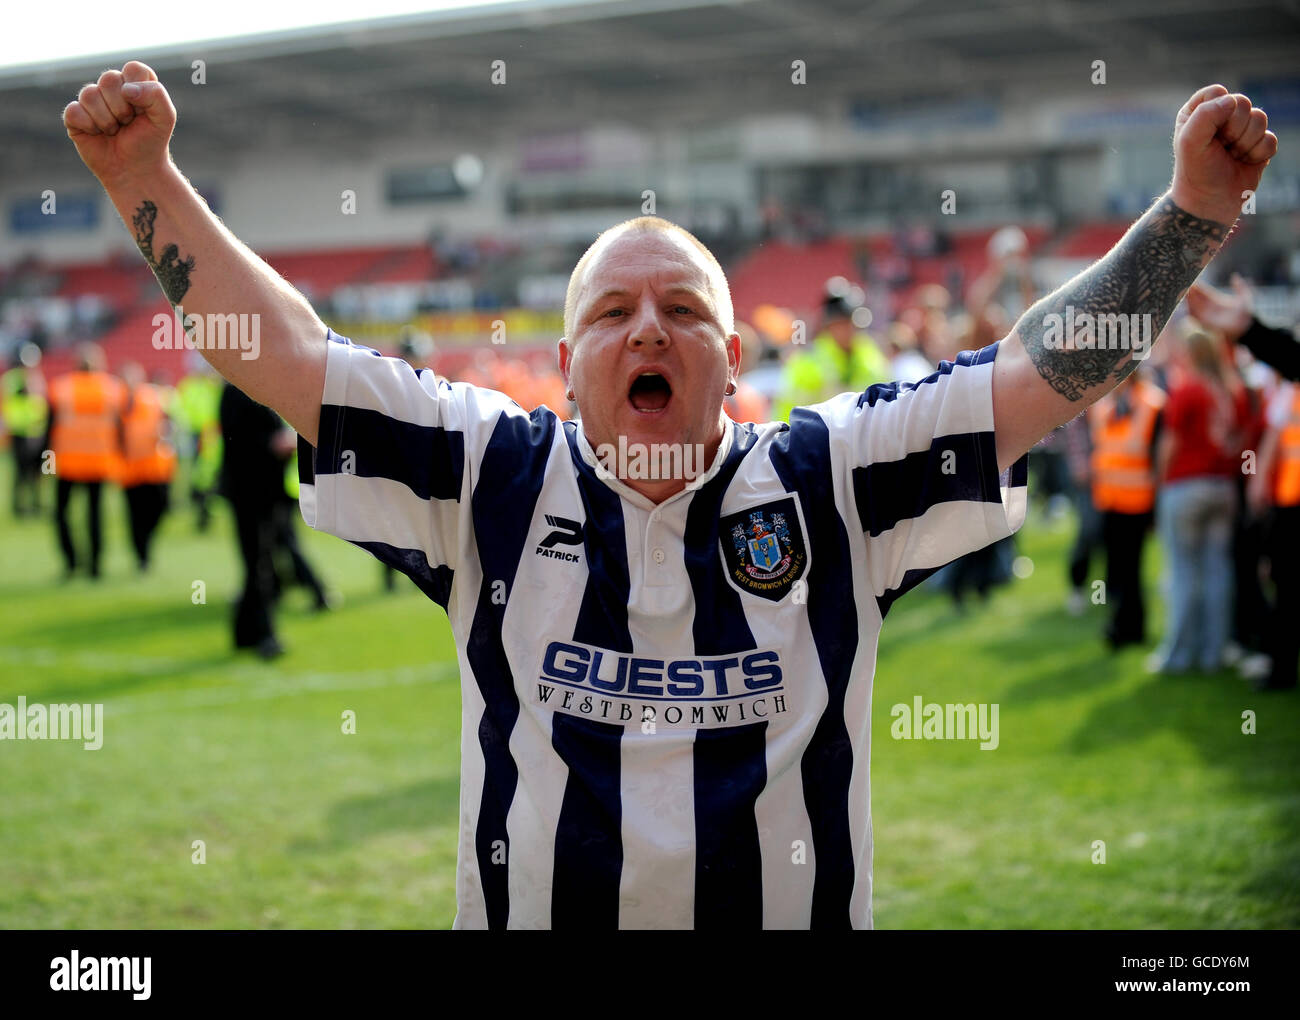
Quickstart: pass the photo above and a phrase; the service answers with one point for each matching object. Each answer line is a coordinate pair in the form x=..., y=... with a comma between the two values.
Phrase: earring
x=570, y=396
x=731, y=389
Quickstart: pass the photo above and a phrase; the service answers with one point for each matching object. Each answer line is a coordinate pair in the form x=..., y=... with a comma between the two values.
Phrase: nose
x=648, y=328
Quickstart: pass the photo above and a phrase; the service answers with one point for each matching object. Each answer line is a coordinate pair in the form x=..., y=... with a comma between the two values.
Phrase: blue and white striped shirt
x=665, y=708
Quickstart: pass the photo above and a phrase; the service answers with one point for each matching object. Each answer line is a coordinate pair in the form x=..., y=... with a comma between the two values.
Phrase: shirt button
x=658, y=555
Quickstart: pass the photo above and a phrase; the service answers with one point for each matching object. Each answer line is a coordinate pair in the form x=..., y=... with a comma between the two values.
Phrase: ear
x=566, y=359
x=733, y=356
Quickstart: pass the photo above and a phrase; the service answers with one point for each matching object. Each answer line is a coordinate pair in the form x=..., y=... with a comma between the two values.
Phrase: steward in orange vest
x=1286, y=466
x=85, y=422
x=1283, y=631
x=85, y=439
x=148, y=460
x=148, y=457
x=1123, y=427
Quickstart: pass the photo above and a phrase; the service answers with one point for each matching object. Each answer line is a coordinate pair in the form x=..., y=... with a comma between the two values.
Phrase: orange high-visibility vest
x=1286, y=478
x=86, y=407
x=147, y=457
x=1123, y=475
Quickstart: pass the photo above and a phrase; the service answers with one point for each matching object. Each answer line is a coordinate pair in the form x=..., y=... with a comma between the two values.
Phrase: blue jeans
x=1194, y=517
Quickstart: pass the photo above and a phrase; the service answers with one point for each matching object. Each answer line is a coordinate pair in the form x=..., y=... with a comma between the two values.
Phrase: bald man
x=666, y=622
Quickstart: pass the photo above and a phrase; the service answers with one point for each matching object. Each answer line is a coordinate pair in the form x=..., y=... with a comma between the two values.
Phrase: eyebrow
x=677, y=288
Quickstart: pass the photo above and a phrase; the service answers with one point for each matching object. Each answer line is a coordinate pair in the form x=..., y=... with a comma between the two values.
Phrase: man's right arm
x=121, y=126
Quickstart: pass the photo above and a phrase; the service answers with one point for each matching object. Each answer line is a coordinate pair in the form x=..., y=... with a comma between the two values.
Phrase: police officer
x=840, y=358
x=26, y=417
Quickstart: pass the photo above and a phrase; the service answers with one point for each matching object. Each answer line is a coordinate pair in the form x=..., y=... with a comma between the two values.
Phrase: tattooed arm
x=121, y=126
x=1059, y=359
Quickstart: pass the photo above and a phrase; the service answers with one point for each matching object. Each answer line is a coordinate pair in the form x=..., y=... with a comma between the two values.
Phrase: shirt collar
x=635, y=498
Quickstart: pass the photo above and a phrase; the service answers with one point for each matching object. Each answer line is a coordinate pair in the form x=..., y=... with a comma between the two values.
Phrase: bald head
x=719, y=290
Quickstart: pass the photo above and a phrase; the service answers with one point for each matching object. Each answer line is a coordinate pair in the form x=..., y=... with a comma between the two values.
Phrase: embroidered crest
x=763, y=548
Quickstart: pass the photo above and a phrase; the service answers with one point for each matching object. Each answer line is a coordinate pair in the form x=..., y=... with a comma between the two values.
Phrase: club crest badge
x=763, y=548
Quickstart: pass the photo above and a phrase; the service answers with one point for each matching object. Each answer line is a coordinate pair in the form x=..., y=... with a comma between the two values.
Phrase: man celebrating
x=666, y=679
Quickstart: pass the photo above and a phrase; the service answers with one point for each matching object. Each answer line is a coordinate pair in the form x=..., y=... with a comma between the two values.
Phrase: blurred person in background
x=1246, y=638
x=255, y=448
x=1276, y=486
x=148, y=458
x=1271, y=523
x=1077, y=447
x=549, y=389
x=26, y=414
x=515, y=380
x=906, y=362
x=1004, y=289
x=1124, y=430
x=1198, y=458
x=196, y=407
x=1008, y=281
x=840, y=358
x=289, y=565
x=85, y=430
x=772, y=327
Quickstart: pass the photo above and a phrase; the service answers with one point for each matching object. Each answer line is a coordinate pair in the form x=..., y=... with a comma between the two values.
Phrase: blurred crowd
x=94, y=431
x=1200, y=445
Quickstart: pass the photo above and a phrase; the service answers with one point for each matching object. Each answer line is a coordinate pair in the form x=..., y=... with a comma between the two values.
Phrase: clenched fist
x=1221, y=146
x=122, y=123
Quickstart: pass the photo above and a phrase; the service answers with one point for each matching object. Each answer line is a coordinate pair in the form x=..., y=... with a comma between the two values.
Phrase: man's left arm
x=1040, y=378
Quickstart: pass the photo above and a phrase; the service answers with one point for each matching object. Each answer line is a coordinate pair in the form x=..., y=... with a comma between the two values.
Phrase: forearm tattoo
x=173, y=273
x=1143, y=278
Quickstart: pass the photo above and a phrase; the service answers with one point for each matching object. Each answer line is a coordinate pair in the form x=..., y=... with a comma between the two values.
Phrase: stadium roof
x=343, y=89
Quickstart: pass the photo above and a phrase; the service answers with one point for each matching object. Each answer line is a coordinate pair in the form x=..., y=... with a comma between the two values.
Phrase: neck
x=660, y=478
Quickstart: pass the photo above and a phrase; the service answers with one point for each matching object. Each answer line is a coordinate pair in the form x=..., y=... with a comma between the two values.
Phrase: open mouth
x=649, y=392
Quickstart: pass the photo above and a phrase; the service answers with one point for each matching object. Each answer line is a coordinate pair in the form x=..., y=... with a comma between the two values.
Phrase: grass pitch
x=304, y=826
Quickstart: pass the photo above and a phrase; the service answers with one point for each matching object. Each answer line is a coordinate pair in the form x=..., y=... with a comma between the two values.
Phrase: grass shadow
x=432, y=802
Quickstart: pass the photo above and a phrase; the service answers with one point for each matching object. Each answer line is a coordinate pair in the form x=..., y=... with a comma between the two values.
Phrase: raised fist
x=122, y=123
x=1221, y=146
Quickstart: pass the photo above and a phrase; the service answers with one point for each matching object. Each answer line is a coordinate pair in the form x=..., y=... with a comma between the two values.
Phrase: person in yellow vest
x=196, y=408
x=1124, y=427
x=26, y=414
x=841, y=358
x=148, y=459
x=85, y=438
x=1277, y=482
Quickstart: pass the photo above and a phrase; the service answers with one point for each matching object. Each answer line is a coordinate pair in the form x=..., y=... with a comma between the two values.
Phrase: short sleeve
x=922, y=471
x=392, y=468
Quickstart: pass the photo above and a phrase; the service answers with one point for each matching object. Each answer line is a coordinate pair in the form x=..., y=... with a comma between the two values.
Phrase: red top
x=1205, y=431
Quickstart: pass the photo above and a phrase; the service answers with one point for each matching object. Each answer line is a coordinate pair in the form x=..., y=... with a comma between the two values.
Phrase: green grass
x=305, y=826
